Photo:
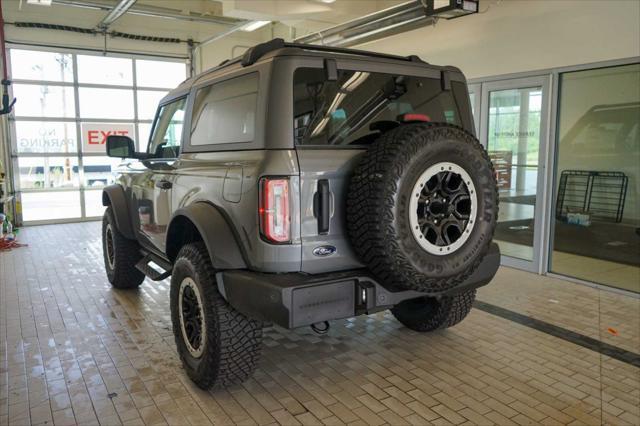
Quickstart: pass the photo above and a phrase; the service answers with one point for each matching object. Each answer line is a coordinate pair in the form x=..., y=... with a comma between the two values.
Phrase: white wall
x=525, y=35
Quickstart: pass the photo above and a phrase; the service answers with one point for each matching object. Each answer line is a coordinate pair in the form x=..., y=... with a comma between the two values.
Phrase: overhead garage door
x=67, y=103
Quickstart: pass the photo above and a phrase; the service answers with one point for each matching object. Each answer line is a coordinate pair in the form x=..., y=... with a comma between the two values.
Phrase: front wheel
x=218, y=345
x=120, y=255
x=429, y=314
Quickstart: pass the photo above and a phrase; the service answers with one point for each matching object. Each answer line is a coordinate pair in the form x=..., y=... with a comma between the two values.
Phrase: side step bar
x=153, y=274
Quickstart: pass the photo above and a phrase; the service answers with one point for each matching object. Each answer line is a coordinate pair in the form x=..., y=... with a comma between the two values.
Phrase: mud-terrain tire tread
x=125, y=275
x=371, y=198
x=450, y=311
x=237, y=339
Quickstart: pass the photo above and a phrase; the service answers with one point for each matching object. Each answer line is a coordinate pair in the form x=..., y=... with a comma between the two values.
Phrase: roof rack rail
x=252, y=55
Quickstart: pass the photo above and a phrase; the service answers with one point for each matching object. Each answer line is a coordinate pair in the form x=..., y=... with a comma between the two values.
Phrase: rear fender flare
x=223, y=247
x=114, y=196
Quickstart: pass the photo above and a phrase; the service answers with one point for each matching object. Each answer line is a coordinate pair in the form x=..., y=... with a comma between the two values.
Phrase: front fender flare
x=114, y=196
x=223, y=247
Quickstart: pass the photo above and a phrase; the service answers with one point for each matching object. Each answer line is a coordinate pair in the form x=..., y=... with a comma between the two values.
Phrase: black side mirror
x=122, y=147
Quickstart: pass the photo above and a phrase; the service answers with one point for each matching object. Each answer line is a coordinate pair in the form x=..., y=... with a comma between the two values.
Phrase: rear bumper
x=295, y=299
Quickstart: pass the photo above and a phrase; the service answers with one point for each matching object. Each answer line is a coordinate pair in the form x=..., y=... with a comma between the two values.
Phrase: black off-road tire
x=378, y=206
x=429, y=314
x=232, y=342
x=121, y=270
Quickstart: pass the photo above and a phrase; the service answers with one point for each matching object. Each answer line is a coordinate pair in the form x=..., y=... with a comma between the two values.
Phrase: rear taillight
x=274, y=210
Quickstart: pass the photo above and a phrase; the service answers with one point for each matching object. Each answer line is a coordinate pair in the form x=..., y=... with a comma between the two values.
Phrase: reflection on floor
x=616, y=242
x=74, y=350
x=510, y=212
x=613, y=274
x=518, y=251
x=515, y=211
x=626, y=277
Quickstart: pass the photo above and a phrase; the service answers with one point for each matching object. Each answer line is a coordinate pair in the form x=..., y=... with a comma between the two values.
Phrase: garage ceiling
x=207, y=17
x=305, y=15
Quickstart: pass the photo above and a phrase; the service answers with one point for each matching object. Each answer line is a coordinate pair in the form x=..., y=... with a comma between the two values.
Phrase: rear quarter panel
x=229, y=180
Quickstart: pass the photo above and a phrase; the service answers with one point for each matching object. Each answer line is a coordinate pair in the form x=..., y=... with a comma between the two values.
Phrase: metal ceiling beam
x=390, y=21
x=394, y=20
x=115, y=13
x=152, y=11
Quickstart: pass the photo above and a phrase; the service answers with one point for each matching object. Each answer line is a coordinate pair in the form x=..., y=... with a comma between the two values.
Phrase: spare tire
x=422, y=206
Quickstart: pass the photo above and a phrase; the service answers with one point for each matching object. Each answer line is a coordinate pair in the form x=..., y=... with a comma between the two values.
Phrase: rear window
x=348, y=111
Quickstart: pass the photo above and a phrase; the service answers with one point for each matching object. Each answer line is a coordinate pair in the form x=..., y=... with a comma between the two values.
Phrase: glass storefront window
x=52, y=139
x=41, y=66
x=48, y=172
x=44, y=101
x=99, y=171
x=105, y=70
x=93, y=203
x=596, y=226
x=162, y=74
x=148, y=103
x=93, y=135
x=50, y=205
x=106, y=103
x=144, y=131
x=46, y=137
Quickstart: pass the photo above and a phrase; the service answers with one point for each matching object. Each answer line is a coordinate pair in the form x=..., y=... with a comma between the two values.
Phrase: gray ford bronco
x=300, y=184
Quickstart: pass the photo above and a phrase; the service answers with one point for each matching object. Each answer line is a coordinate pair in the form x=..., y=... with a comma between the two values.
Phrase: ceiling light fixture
x=254, y=25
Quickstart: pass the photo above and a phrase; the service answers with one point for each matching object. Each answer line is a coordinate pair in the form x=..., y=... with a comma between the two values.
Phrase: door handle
x=322, y=206
x=163, y=184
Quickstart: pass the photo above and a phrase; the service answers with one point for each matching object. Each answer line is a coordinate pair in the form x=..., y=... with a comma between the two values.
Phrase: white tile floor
x=73, y=350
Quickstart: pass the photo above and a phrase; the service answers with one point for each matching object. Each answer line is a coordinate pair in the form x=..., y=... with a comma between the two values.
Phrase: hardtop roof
x=279, y=48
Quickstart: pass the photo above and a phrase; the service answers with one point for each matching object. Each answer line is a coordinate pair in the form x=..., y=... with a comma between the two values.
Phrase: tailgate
x=324, y=179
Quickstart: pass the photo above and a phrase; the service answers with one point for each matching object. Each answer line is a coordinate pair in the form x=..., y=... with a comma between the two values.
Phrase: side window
x=225, y=112
x=167, y=131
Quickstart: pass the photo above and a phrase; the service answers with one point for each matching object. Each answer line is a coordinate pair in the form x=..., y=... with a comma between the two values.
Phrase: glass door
x=474, y=98
x=512, y=128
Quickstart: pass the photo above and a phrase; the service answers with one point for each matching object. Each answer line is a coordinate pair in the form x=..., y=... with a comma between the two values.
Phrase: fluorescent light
x=254, y=25
x=40, y=2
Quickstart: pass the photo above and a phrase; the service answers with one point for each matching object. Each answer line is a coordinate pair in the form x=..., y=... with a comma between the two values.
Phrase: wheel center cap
x=439, y=207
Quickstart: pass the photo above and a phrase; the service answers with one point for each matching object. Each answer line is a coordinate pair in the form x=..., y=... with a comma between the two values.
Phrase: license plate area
x=325, y=302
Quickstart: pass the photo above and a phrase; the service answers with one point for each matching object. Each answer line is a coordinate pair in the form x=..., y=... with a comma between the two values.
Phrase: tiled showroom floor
x=73, y=350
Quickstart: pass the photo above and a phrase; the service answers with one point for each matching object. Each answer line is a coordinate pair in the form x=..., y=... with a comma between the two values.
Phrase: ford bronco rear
x=302, y=184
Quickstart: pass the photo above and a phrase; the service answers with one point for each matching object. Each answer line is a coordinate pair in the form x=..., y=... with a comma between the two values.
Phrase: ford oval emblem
x=324, y=251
